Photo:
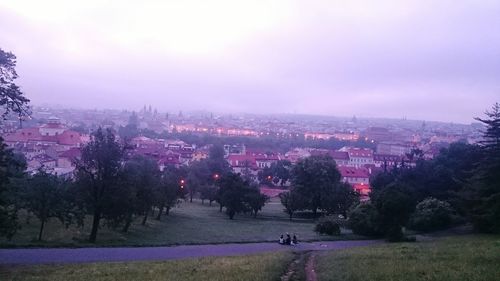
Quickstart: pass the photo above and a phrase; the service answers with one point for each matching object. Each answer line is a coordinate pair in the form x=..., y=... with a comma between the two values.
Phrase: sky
x=424, y=60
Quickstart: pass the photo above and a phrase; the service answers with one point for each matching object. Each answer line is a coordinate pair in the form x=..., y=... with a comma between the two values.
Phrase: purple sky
x=434, y=60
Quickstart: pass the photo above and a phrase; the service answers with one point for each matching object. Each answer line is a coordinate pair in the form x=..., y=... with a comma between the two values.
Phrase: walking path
x=86, y=255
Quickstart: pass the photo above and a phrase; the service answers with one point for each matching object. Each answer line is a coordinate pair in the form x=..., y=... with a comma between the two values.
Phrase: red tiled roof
x=339, y=155
x=68, y=137
x=72, y=153
x=352, y=172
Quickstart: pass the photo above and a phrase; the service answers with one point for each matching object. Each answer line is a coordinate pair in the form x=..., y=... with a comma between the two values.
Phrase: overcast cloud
x=434, y=60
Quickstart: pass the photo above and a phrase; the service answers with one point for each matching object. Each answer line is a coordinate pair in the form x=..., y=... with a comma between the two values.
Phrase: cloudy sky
x=434, y=60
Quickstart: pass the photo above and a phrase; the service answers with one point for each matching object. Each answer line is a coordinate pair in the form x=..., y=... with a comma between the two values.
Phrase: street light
x=216, y=176
x=182, y=183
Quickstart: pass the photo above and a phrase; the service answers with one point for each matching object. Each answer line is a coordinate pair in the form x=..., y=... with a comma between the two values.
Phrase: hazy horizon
x=388, y=59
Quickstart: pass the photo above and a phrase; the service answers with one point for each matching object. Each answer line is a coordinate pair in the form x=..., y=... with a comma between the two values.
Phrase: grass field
x=458, y=258
x=253, y=267
x=190, y=223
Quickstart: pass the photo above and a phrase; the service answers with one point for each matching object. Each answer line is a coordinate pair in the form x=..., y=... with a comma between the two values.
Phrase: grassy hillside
x=471, y=258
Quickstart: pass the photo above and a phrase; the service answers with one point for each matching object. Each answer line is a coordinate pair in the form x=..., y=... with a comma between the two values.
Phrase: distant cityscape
x=52, y=138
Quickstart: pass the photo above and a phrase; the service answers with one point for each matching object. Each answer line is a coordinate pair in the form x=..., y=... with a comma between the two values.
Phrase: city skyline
x=391, y=59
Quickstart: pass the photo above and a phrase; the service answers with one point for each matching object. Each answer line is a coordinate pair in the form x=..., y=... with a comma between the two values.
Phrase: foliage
x=255, y=200
x=364, y=219
x=138, y=181
x=328, y=227
x=170, y=189
x=292, y=201
x=97, y=175
x=232, y=192
x=484, y=193
x=11, y=96
x=317, y=180
x=208, y=192
x=43, y=196
x=394, y=204
x=431, y=214
x=12, y=166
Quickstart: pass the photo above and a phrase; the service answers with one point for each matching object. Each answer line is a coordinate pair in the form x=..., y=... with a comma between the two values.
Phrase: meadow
x=189, y=223
x=467, y=257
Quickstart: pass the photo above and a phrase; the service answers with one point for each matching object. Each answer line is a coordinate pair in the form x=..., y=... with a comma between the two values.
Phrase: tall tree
x=97, y=173
x=292, y=201
x=232, y=192
x=315, y=178
x=255, y=200
x=11, y=96
x=486, y=182
x=170, y=189
x=43, y=197
x=139, y=180
x=12, y=167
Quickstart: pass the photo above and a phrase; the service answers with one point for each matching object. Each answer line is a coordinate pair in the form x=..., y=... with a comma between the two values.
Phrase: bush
x=364, y=219
x=328, y=227
x=432, y=214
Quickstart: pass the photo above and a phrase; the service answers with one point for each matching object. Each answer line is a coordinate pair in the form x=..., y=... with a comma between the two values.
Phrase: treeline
x=461, y=184
x=115, y=191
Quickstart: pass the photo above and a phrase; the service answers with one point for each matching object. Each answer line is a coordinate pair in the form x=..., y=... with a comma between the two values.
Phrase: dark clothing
x=288, y=240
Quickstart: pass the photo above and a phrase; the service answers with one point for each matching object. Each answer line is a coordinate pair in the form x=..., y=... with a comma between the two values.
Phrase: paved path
x=85, y=255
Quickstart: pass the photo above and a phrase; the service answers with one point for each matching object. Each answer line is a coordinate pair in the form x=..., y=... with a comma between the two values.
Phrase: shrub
x=328, y=227
x=431, y=214
x=364, y=219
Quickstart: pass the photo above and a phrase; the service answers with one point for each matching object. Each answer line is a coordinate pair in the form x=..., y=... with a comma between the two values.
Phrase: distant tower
x=166, y=116
x=150, y=110
x=180, y=113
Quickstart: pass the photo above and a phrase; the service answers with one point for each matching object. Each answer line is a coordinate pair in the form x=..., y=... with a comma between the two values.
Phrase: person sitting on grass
x=281, y=241
x=295, y=241
x=288, y=239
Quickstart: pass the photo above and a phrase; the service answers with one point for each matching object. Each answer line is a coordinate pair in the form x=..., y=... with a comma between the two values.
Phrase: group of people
x=288, y=240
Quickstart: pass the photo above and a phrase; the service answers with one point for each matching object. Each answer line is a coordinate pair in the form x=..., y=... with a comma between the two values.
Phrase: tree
x=292, y=201
x=255, y=200
x=394, y=204
x=364, y=219
x=232, y=192
x=485, y=188
x=432, y=214
x=216, y=162
x=340, y=199
x=281, y=171
x=12, y=167
x=43, y=197
x=198, y=175
x=208, y=192
x=170, y=189
x=11, y=96
x=97, y=174
x=315, y=178
x=139, y=180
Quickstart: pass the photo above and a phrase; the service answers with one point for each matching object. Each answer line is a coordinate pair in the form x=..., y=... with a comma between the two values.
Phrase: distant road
x=87, y=255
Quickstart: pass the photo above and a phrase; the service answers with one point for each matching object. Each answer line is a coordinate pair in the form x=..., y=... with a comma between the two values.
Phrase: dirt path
x=310, y=267
x=86, y=255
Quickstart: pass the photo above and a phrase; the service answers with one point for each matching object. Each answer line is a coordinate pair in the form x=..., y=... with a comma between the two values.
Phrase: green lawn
x=190, y=223
x=458, y=258
x=254, y=267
